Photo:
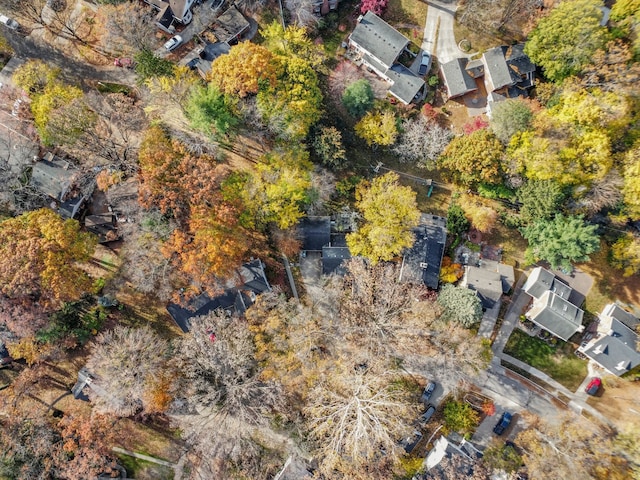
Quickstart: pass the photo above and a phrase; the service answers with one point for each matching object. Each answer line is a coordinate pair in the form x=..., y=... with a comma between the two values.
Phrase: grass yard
x=143, y=470
x=558, y=362
x=407, y=14
x=609, y=284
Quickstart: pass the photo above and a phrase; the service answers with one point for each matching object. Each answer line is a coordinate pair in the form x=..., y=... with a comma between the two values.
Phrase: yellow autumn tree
x=39, y=256
x=482, y=217
x=241, y=71
x=389, y=212
x=378, y=128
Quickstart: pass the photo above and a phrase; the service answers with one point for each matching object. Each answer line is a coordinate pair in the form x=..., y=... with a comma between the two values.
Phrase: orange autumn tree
x=39, y=257
x=243, y=68
x=450, y=272
x=210, y=241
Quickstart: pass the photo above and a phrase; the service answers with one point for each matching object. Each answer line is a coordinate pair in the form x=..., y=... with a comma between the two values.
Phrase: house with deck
x=234, y=300
x=615, y=345
x=551, y=308
x=379, y=47
x=422, y=262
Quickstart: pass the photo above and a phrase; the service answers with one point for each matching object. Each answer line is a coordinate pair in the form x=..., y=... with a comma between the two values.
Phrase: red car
x=594, y=386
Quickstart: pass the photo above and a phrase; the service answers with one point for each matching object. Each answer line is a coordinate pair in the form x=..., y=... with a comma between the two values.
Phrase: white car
x=173, y=43
x=9, y=22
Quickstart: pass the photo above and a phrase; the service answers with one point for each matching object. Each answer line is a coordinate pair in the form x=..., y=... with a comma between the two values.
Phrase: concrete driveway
x=438, y=37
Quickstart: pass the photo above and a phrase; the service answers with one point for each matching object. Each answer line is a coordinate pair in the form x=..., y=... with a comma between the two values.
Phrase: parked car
x=502, y=425
x=593, y=386
x=193, y=63
x=425, y=64
x=410, y=442
x=426, y=416
x=173, y=43
x=9, y=22
x=428, y=391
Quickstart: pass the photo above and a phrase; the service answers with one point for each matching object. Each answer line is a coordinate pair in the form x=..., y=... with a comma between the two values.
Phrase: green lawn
x=559, y=362
x=143, y=470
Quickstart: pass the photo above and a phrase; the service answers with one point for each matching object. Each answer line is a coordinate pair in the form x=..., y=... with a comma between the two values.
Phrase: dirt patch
x=619, y=401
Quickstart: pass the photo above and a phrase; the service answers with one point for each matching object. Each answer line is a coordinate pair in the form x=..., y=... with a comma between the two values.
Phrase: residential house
x=379, y=47
x=227, y=30
x=324, y=240
x=508, y=70
x=551, y=308
x=57, y=179
x=233, y=300
x=457, y=80
x=170, y=12
x=422, y=262
x=615, y=346
x=322, y=7
x=490, y=280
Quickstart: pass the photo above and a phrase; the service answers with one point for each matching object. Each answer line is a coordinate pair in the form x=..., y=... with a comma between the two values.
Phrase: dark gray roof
x=214, y=50
x=475, y=68
x=496, y=67
x=456, y=78
x=234, y=299
x=53, y=177
x=617, y=351
x=507, y=276
x=518, y=61
x=316, y=233
x=378, y=38
x=486, y=283
x=333, y=259
x=406, y=85
x=557, y=315
x=230, y=25
x=423, y=260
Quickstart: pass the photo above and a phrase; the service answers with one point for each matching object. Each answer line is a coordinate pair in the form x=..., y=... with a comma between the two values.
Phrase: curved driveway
x=438, y=35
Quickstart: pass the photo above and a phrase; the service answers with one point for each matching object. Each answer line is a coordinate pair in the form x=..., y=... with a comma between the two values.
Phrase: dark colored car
x=410, y=443
x=428, y=391
x=193, y=63
x=594, y=386
x=426, y=416
x=425, y=64
x=502, y=425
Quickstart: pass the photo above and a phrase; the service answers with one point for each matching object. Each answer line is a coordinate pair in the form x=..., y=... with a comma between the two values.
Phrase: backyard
x=558, y=361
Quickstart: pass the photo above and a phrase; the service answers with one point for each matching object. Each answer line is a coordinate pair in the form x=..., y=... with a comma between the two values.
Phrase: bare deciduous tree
x=125, y=362
x=604, y=193
x=106, y=126
x=221, y=372
x=129, y=27
x=356, y=415
x=422, y=142
x=301, y=12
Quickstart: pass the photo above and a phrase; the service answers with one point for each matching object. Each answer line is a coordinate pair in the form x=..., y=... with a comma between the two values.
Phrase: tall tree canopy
x=241, y=71
x=211, y=111
x=561, y=241
x=378, y=128
x=510, y=117
x=474, y=158
x=564, y=41
x=389, y=211
x=39, y=255
x=358, y=97
x=460, y=304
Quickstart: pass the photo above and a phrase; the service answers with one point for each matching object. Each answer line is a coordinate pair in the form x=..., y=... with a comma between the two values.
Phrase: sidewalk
x=518, y=302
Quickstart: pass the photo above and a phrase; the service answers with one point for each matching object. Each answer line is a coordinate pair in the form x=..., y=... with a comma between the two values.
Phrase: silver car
x=173, y=43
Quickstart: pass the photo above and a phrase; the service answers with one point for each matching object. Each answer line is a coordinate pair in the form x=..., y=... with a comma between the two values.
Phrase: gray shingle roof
x=52, y=177
x=556, y=315
x=422, y=261
x=316, y=233
x=379, y=38
x=406, y=85
x=617, y=351
x=540, y=280
x=486, y=283
x=456, y=78
x=496, y=68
